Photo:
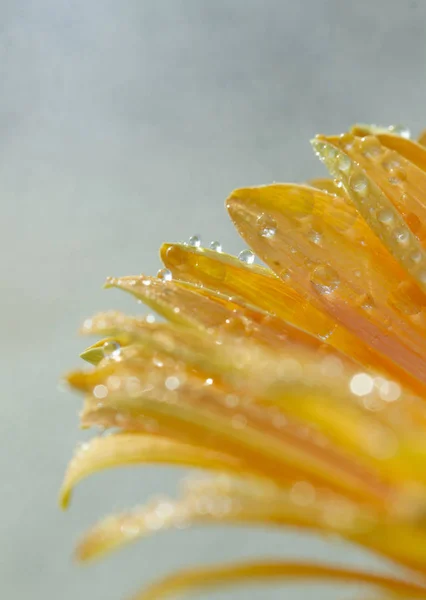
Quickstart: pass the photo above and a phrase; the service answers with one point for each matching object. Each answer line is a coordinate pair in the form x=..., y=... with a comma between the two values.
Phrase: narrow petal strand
x=127, y=448
x=191, y=580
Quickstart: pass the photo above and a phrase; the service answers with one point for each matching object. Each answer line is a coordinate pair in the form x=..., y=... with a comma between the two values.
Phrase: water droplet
x=100, y=391
x=370, y=147
x=347, y=140
x=391, y=162
x=338, y=183
x=285, y=275
x=194, y=241
x=216, y=246
x=150, y=318
x=344, y=163
x=402, y=236
x=389, y=391
x=246, y=256
x=400, y=130
x=325, y=279
x=315, y=237
x=111, y=348
x=165, y=275
x=385, y=216
x=396, y=176
x=361, y=384
x=359, y=184
x=366, y=301
x=416, y=256
x=267, y=225
x=330, y=152
x=232, y=400
x=172, y=383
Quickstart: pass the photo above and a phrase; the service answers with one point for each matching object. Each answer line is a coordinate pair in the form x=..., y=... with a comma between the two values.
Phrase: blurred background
x=122, y=125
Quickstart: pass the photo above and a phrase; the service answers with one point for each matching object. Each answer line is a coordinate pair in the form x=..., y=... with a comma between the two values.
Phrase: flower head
x=299, y=386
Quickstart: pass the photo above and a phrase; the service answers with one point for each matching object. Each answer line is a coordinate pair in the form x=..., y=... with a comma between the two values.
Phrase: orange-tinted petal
x=334, y=269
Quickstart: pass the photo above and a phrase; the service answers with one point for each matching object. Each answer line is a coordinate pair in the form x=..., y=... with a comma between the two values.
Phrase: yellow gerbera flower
x=300, y=386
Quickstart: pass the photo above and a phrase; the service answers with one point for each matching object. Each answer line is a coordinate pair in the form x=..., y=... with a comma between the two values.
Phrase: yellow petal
x=127, y=448
x=191, y=580
x=271, y=447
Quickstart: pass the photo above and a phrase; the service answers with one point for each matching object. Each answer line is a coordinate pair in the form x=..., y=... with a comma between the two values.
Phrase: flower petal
x=273, y=447
x=365, y=180
x=131, y=448
x=337, y=271
x=188, y=581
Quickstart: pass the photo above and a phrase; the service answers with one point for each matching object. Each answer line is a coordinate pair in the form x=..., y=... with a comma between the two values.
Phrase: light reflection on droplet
x=266, y=225
x=361, y=384
x=100, y=391
x=246, y=256
x=216, y=246
x=165, y=275
x=111, y=348
x=194, y=241
x=172, y=383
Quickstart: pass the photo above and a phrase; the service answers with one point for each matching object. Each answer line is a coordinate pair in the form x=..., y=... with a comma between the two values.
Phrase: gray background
x=123, y=124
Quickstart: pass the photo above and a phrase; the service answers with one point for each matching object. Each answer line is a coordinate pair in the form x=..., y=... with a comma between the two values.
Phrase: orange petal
x=336, y=270
x=365, y=180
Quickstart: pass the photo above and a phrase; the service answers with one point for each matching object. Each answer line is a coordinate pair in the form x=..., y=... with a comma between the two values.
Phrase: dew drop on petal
x=172, y=383
x=194, y=241
x=344, y=163
x=246, y=256
x=400, y=130
x=111, y=348
x=416, y=256
x=315, y=237
x=267, y=226
x=397, y=175
x=324, y=279
x=216, y=246
x=359, y=184
x=100, y=391
x=385, y=216
x=165, y=275
x=402, y=236
x=361, y=384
